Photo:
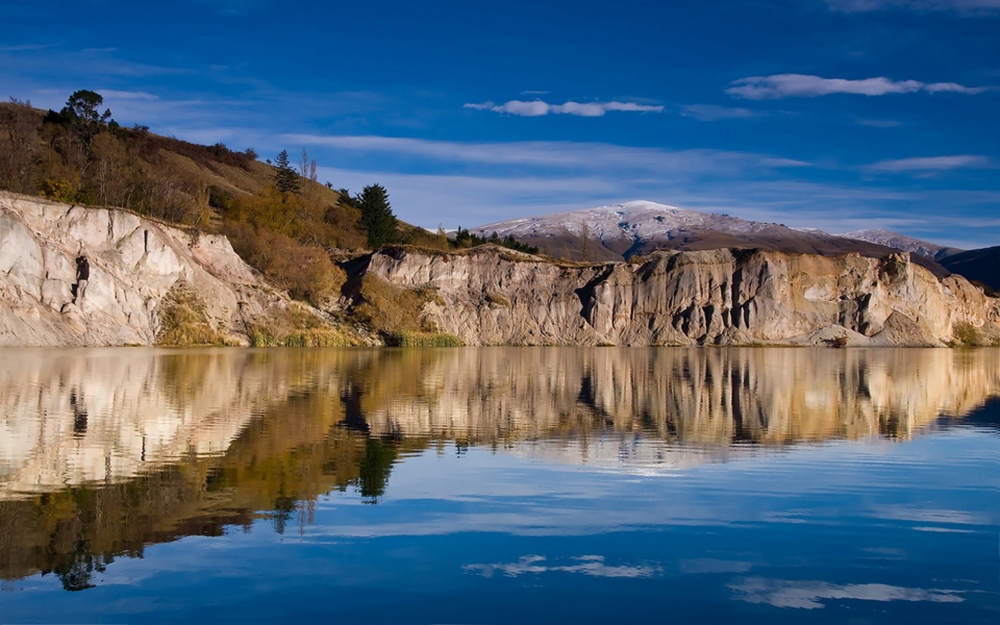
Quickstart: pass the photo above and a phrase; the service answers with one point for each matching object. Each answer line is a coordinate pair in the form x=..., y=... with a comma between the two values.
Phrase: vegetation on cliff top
x=279, y=218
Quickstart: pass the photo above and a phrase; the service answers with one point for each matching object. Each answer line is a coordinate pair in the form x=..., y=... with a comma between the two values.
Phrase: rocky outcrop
x=492, y=296
x=141, y=270
x=135, y=266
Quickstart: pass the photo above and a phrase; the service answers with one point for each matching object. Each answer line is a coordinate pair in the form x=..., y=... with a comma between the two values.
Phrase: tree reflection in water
x=173, y=444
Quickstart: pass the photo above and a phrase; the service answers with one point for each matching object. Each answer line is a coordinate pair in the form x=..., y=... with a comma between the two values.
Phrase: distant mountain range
x=620, y=231
x=902, y=242
x=982, y=265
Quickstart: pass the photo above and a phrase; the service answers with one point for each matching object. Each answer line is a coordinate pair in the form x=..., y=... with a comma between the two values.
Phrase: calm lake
x=500, y=485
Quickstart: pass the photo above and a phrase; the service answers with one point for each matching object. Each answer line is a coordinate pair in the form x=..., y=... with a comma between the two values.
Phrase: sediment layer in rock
x=492, y=296
x=486, y=296
x=135, y=264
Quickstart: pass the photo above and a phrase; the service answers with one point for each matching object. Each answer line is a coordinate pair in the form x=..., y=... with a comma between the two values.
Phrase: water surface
x=500, y=485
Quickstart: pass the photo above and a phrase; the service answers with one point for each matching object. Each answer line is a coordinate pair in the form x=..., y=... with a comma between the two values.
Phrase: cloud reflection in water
x=587, y=565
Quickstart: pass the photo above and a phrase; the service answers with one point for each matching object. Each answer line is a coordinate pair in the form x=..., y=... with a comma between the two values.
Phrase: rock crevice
x=484, y=296
x=134, y=265
x=714, y=297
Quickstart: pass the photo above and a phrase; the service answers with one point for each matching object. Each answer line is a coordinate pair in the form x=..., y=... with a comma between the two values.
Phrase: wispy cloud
x=712, y=112
x=237, y=7
x=934, y=163
x=961, y=6
x=28, y=47
x=127, y=95
x=555, y=154
x=538, y=108
x=880, y=123
x=807, y=86
x=468, y=184
x=953, y=87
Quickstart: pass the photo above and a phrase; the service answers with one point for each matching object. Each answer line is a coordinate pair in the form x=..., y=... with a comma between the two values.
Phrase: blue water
x=453, y=525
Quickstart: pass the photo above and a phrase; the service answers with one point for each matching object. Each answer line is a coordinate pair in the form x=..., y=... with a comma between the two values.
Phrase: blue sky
x=837, y=114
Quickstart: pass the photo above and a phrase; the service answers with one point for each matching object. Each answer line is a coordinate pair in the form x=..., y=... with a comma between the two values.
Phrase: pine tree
x=376, y=216
x=285, y=178
x=81, y=111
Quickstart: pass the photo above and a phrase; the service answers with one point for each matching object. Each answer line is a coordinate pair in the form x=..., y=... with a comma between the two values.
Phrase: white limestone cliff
x=134, y=264
x=485, y=296
x=492, y=296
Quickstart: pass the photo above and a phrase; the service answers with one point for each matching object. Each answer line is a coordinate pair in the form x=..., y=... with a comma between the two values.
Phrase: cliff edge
x=491, y=296
x=147, y=279
x=144, y=278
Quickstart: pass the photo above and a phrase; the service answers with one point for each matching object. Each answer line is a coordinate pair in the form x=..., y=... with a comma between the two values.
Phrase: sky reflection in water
x=497, y=485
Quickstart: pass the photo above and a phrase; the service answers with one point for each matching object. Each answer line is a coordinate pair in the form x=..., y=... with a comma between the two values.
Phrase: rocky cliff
x=139, y=268
x=142, y=272
x=491, y=296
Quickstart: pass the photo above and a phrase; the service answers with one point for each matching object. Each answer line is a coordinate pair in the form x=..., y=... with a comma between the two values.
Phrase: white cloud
x=29, y=47
x=126, y=95
x=880, y=123
x=934, y=163
x=962, y=6
x=712, y=112
x=809, y=595
x=537, y=108
x=469, y=184
x=807, y=86
x=555, y=154
x=953, y=87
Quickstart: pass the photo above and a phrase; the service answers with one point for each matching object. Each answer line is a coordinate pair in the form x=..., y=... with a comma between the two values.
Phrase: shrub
x=423, y=339
x=386, y=308
x=184, y=320
x=966, y=334
x=59, y=189
x=306, y=272
x=497, y=300
x=298, y=327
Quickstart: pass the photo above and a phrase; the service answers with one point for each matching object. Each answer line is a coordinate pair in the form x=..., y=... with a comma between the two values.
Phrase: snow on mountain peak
x=895, y=240
x=637, y=220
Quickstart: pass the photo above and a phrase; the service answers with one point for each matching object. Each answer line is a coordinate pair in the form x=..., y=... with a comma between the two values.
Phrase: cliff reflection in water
x=105, y=451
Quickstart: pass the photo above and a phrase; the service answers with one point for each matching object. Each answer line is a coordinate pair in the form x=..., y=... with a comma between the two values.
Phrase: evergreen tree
x=376, y=216
x=82, y=114
x=285, y=178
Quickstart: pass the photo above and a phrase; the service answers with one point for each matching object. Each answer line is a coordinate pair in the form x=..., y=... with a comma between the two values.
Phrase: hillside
x=210, y=243
x=278, y=217
x=981, y=265
x=898, y=241
x=621, y=231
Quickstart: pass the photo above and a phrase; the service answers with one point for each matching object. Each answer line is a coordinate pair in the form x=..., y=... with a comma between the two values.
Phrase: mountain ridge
x=621, y=231
x=892, y=239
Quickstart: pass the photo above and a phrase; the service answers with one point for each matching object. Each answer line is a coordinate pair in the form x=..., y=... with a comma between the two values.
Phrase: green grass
x=423, y=339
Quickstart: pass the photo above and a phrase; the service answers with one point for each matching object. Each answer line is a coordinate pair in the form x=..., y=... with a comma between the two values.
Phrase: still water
x=500, y=485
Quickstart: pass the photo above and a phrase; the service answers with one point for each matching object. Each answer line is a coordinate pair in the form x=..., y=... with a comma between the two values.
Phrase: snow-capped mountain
x=623, y=230
x=639, y=219
x=901, y=242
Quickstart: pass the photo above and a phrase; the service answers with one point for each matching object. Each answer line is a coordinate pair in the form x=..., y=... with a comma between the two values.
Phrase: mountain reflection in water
x=104, y=452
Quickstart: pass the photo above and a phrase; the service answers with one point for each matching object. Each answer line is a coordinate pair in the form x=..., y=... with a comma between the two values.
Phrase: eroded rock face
x=487, y=296
x=134, y=264
x=726, y=297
